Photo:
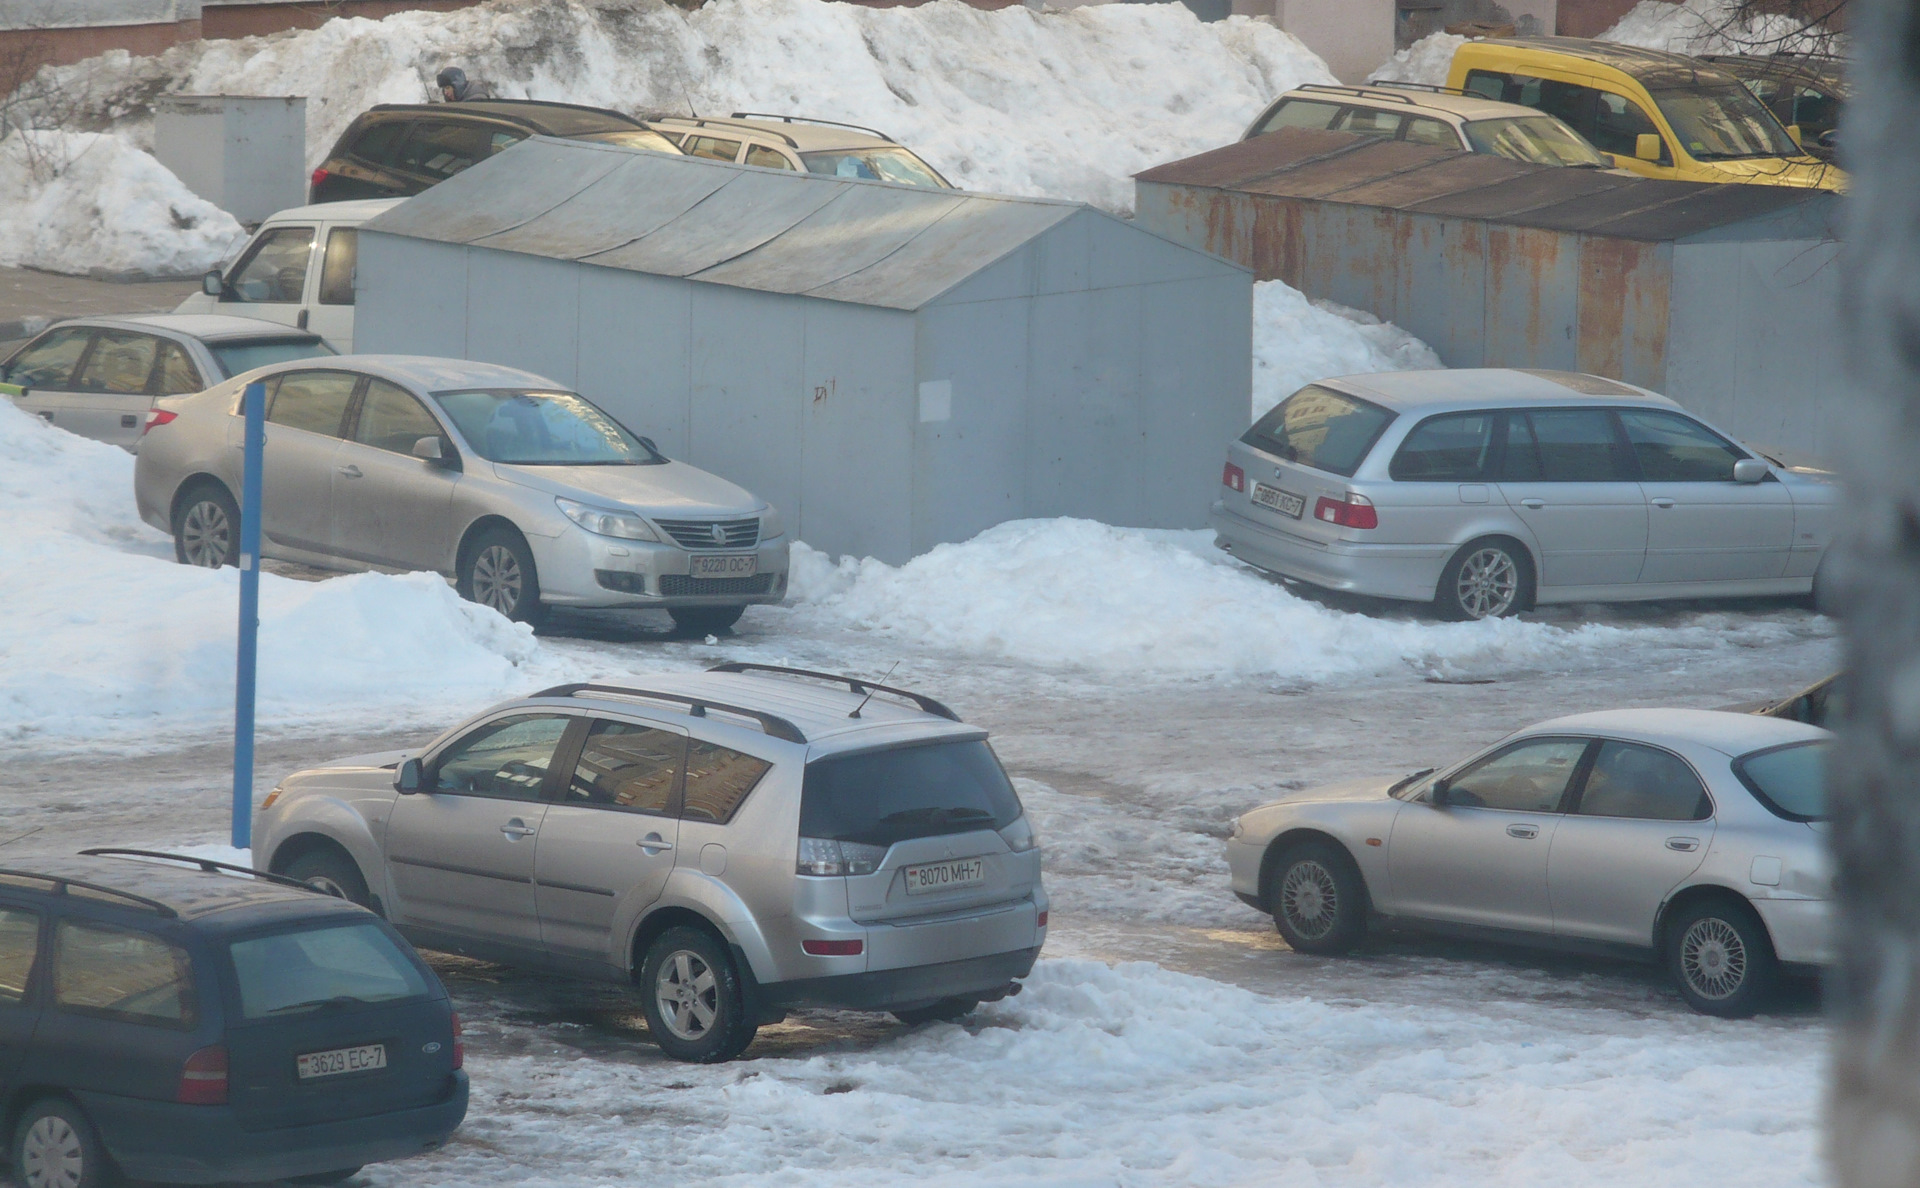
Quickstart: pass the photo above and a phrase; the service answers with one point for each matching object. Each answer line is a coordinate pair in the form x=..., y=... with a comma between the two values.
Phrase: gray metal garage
x=892, y=367
x=1724, y=297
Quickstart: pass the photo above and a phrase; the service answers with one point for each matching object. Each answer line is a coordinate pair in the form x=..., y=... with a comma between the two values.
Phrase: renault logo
x=719, y=534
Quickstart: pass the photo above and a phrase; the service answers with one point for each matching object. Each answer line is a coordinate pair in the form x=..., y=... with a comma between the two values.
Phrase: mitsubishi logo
x=719, y=534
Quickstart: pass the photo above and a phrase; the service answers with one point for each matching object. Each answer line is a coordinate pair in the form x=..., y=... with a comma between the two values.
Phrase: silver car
x=1694, y=836
x=735, y=842
x=524, y=493
x=1486, y=492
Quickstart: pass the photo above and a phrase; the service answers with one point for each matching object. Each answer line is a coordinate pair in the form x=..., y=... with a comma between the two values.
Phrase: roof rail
x=716, y=121
x=773, y=724
x=207, y=864
x=60, y=884
x=857, y=684
x=1362, y=91
x=793, y=119
x=1436, y=88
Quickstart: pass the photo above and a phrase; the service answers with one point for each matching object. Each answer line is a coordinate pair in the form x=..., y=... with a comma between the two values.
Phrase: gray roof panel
x=860, y=227
x=618, y=208
x=752, y=207
x=543, y=177
x=970, y=236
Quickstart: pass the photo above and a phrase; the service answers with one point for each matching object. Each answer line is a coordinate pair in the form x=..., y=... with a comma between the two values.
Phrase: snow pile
x=1717, y=27
x=1297, y=341
x=1425, y=61
x=73, y=201
x=1063, y=104
x=104, y=631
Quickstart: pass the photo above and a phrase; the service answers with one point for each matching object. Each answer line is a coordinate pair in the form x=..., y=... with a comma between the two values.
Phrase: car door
x=389, y=507
x=460, y=852
x=44, y=368
x=1480, y=858
x=305, y=413
x=607, y=844
x=1701, y=525
x=1568, y=475
x=21, y=931
x=332, y=314
x=270, y=280
x=113, y=389
x=1639, y=824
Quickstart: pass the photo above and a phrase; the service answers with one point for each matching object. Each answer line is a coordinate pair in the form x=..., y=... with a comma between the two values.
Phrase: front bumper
x=1244, y=858
x=1802, y=929
x=186, y=1144
x=1407, y=572
x=579, y=568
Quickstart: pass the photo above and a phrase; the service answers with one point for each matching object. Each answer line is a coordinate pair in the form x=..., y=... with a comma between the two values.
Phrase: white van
x=298, y=270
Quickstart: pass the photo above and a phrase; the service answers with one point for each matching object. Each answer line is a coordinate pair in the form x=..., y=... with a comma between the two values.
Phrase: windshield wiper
x=1418, y=775
x=936, y=814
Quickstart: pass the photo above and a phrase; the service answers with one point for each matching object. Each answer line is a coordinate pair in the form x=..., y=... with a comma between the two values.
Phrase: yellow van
x=1657, y=114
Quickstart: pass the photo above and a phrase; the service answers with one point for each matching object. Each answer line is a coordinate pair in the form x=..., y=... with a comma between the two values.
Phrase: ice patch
x=1297, y=341
x=1425, y=61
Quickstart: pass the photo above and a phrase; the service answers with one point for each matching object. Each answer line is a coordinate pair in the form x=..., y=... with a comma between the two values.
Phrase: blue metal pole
x=256, y=410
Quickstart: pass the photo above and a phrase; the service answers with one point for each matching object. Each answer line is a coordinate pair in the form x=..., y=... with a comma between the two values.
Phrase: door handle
x=1686, y=845
x=653, y=843
x=350, y=470
x=1533, y=504
x=1661, y=502
x=516, y=828
x=1523, y=831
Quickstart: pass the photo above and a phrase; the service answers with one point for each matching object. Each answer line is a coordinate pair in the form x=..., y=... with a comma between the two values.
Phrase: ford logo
x=431, y=1048
x=719, y=534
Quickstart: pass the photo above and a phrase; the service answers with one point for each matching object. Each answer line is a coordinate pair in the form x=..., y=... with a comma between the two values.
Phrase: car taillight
x=1233, y=477
x=203, y=1078
x=1041, y=920
x=1356, y=511
x=319, y=175
x=459, y=1045
x=157, y=417
x=834, y=948
x=825, y=856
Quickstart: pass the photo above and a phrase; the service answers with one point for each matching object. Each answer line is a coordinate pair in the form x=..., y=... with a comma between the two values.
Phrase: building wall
x=1353, y=36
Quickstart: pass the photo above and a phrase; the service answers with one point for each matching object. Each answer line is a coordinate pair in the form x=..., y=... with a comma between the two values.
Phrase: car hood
x=372, y=759
x=671, y=488
x=1782, y=171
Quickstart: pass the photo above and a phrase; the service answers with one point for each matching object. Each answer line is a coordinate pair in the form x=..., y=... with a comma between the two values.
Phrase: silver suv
x=801, y=145
x=526, y=494
x=736, y=842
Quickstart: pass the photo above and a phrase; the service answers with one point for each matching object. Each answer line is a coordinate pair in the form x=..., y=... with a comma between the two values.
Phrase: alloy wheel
x=1310, y=899
x=497, y=581
x=688, y=994
x=206, y=535
x=1713, y=959
x=1489, y=582
x=51, y=1156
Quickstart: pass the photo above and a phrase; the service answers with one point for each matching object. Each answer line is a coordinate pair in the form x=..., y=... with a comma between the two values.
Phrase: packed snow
x=1297, y=341
x=1718, y=27
x=1425, y=61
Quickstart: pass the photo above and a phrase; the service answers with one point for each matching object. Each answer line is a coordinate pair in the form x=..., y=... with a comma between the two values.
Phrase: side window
x=627, y=766
x=1368, y=122
x=1299, y=113
x=391, y=419
x=1618, y=124
x=1572, y=102
x=315, y=401
x=507, y=758
x=375, y=146
x=336, y=268
x=503, y=140
x=19, y=945
x=121, y=362
x=1577, y=445
x=1676, y=449
x=718, y=779
x=712, y=147
x=1421, y=130
x=99, y=969
x=276, y=268
x=1452, y=448
x=1528, y=777
x=441, y=149
x=1520, y=462
x=1814, y=112
x=1628, y=780
x=1490, y=85
x=758, y=154
x=177, y=375
x=49, y=362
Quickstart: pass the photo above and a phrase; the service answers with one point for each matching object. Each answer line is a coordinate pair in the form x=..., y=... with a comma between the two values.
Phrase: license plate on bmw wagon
x=945, y=876
x=1284, y=502
x=723, y=567
x=364, y=1058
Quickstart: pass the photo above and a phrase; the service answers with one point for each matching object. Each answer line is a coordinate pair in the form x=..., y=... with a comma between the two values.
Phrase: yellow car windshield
x=1724, y=123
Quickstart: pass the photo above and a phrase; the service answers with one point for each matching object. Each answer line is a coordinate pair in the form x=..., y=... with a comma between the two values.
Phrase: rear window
x=881, y=797
x=236, y=357
x=1790, y=781
x=1321, y=428
x=290, y=972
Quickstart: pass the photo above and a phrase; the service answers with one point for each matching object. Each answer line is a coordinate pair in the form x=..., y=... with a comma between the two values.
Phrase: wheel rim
x=206, y=535
x=688, y=994
x=1489, y=582
x=51, y=1156
x=1713, y=958
x=497, y=581
x=1310, y=899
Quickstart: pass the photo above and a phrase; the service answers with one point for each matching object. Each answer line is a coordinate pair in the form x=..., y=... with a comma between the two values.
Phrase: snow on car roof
x=1479, y=386
x=1732, y=733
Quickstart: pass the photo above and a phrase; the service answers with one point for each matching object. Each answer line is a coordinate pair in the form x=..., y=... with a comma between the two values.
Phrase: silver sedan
x=1691, y=836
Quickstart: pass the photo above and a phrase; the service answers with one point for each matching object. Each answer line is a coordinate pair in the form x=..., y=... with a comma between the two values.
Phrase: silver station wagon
x=1487, y=492
x=1692, y=835
x=734, y=842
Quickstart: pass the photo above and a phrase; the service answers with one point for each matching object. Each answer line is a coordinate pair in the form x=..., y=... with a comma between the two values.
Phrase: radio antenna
x=870, y=692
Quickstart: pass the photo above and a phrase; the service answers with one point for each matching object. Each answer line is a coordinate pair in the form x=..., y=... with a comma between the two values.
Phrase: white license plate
x=1284, y=502
x=364, y=1058
x=945, y=876
x=714, y=567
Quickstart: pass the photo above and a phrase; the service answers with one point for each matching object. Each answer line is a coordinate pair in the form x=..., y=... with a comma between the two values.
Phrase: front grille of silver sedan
x=679, y=585
x=713, y=534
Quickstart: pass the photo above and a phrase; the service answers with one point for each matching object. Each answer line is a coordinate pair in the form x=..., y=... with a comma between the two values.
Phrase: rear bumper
x=183, y=1144
x=1802, y=929
x=906, y=988
x=1407, y=572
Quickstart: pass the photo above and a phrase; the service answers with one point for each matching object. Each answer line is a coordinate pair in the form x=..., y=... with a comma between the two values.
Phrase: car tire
x=1318, y=899
x=1720, y=955
x=705, y=620
x=332, y=872
x=695, y=1003
x=1489, y=578
x=497, y=570
x=332, y=1177
x=947, y=1010
x=206, y=528
x=54, y=1146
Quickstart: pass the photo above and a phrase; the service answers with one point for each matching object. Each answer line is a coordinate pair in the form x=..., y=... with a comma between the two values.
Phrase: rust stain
x=1625, y=288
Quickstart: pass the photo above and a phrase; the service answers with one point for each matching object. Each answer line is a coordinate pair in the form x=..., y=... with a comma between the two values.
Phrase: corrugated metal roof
x=866, y=242
x=1366, y=171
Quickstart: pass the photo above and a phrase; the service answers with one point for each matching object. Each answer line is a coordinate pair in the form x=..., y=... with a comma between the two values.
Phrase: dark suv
x=396, y=150
x=210, y=1027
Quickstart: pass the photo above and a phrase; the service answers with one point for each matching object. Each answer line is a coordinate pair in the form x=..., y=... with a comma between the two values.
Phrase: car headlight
x=605, y=521
x=770, y=525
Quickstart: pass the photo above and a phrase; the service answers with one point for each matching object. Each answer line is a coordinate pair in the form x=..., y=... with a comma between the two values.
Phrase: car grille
x=679, y=585
x=699, y=534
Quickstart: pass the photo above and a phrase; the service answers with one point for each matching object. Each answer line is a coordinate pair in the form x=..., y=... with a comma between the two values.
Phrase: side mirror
x=408, y=778
x=1793, y=130
x=427, y=449
x=1437, y=795
x=1750, y=470
x=1647, y=146
x=213, y=284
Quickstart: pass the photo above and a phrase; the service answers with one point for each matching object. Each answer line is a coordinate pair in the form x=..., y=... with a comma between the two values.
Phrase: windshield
x=236, y=357
x=876, y=164
x=1789, y=780
x=880, y=797
x=638, y=138
x=1724, y=123
x=542, y=429
x=1321, y=428
x=1537, y=140
x=316, y=967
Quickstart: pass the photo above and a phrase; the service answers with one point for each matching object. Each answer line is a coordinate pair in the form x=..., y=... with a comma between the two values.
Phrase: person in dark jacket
x=454, y=86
